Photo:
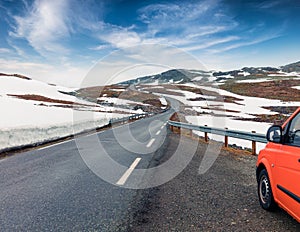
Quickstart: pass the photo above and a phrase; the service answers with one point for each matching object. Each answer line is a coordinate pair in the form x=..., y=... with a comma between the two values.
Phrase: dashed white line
x=125, y=176
x=158, y=132
x=162, y=126
x=53, y=145
x=150, y=143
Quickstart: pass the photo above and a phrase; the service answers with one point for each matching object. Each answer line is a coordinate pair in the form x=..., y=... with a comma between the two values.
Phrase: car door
x=287, y=169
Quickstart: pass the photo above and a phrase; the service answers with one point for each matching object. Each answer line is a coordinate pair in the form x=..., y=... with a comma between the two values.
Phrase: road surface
x=52, y=189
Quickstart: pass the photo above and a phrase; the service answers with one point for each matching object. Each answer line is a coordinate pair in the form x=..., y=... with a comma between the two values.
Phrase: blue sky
x=61, y=40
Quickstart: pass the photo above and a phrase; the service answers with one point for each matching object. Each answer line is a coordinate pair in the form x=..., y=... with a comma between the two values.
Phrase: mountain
x=294, y=67
x=181, y=76
x=178, y=76
x=246, y=71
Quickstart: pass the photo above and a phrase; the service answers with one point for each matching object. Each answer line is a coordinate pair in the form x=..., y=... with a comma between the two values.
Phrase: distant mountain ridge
x=294, y=67
x=181, y=76
x=170, y=76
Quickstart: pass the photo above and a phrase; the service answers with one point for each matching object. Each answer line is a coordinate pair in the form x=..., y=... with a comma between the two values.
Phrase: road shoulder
x=223, y=199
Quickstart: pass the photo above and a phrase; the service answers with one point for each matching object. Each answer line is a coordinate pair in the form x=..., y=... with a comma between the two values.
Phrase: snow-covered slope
x=211, y=106
x=33, y=112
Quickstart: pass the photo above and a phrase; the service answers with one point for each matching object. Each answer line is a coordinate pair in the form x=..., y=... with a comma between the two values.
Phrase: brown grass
x=34, y=97
x=15, y=75
x=278, y=89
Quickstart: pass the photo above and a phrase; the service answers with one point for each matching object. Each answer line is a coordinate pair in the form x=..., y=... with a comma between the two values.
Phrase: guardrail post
x=226, y=138
x=175, y=128
x=191, y=133
x=205, y=136
x=253, y=146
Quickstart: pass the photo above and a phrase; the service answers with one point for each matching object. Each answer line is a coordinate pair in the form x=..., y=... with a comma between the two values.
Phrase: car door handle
x=299, y=160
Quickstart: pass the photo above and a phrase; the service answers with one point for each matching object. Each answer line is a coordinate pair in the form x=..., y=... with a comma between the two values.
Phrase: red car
x=278, y=168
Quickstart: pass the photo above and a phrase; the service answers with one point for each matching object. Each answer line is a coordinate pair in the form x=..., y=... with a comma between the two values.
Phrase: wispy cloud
x=43, y=26
x=185, y=19
x=212, y=42
x=247, y=43
x=119, y=37
x=5, y=50
x=188, y=25
x=269, y=4
x=100, y=47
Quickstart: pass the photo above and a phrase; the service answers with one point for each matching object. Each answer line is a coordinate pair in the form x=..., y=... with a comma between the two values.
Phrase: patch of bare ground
x=277, y=89
x=219, y=109
x=148, y=102
x=178, y=117
x=220, y=98
x=287, y=110
x=166, y=90
x=197, y=90
x=40, y=98
x=15, y=75
x=278, y=119
x=100, y=91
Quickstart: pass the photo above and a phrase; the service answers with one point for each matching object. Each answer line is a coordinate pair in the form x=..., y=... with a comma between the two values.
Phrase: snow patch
x=254, y=80
x=163, y=101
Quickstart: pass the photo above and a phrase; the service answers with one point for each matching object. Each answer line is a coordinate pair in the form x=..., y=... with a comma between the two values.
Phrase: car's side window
x=294, y=131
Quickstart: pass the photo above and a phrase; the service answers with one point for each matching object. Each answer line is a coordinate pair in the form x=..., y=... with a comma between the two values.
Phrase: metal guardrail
x=253, y=136
x=131, y=117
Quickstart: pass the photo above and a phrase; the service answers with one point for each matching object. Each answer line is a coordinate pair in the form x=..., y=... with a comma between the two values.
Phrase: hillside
x=294, y=67
x=249, y=98
x=181, y=76
x=34, y=112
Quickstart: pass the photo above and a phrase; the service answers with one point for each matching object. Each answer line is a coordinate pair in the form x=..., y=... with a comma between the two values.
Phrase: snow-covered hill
x=34, y=112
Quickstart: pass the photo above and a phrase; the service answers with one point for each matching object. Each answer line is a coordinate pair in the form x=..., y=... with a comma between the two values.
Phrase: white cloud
x=247, y=43
x=211, y=42
x=119, y=37
x=185, y=19
x=188, y=25
x=44, y=25
x=5, y=50
x=100, y=47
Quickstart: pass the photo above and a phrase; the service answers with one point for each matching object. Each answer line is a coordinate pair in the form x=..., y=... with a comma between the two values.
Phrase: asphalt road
x=57, y=188
x=54, y=189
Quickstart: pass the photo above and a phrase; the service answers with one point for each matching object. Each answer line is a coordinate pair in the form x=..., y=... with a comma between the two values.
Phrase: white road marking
x=162, y=126
x=53, y=145
x=125, y=176
x=150, y=143
x=158, y=132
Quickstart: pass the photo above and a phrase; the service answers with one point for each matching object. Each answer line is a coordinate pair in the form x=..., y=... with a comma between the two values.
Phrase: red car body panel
x=282, y=162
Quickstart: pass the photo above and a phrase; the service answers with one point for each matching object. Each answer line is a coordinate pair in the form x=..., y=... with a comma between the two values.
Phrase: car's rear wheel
x=265, y=194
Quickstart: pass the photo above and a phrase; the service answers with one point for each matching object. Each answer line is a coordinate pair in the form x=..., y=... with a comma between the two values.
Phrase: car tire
x=265, y=194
